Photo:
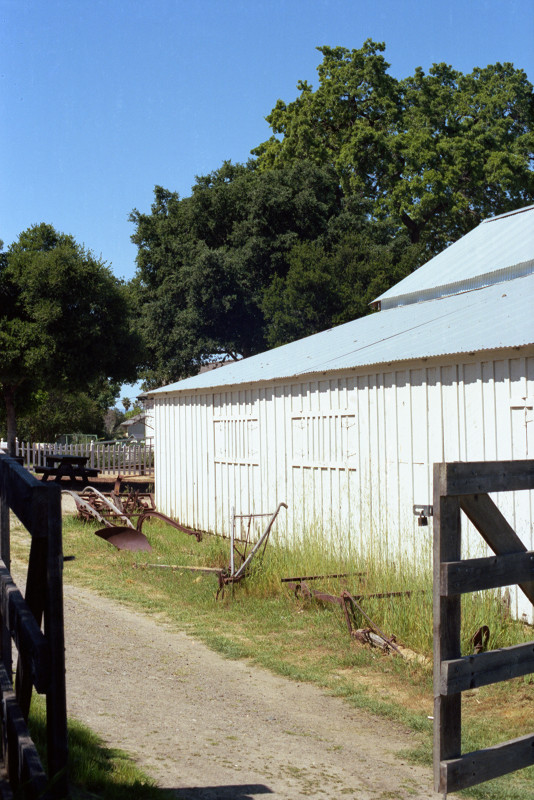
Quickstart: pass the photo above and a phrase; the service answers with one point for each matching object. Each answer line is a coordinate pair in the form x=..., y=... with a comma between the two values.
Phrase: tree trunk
x=414, y=230
x=9, y=397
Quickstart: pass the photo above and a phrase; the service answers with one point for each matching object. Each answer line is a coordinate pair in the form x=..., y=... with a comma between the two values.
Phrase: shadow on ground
x=99, y=771
x=229, y=792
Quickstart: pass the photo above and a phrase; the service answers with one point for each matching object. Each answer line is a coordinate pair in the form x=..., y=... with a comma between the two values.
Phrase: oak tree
x=205, y=261
x=435, y=153
x=64, y=321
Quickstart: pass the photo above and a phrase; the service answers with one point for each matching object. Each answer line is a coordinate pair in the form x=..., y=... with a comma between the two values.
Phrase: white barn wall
x=350, y=452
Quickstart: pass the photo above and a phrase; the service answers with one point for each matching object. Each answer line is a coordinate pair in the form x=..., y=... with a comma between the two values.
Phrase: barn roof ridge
x=511, y=213
x=457, y=287
x=487, y=254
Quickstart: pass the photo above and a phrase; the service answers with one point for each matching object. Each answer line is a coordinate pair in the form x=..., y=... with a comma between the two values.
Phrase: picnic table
x=72, y=467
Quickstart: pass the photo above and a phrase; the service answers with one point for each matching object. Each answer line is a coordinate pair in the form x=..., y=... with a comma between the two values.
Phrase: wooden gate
x=41, y=656
x=465, y=487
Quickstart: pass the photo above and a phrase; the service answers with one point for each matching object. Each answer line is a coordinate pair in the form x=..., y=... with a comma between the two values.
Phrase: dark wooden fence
x=465, y=487
x=41, y=655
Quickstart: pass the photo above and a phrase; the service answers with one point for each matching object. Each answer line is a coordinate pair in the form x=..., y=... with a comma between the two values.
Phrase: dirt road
x=215, y=729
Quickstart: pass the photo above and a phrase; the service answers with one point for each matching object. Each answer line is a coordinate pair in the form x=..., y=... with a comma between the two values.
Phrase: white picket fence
x=114, y=459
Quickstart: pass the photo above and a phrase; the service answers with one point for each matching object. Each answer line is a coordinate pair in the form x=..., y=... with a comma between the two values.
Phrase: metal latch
x=423, y=513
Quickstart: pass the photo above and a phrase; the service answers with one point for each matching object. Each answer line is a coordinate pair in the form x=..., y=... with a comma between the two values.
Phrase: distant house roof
x=498, y=249
x=134, y=420
x=477, y=295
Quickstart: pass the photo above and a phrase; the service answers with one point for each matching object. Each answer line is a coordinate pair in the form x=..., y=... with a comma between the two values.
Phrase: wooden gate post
x=447, y=622
x=6, y=650
x=41, y=654
x=466, y=487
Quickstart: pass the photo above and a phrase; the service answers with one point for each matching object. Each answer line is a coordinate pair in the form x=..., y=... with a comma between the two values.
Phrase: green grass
x=94, y=769
x=262, y=620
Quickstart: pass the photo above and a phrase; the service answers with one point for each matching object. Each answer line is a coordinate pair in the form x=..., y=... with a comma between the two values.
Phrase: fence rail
x=112, y=459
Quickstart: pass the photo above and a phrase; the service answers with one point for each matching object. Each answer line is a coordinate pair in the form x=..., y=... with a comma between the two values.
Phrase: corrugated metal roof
x=498, y=249
x=484, y=319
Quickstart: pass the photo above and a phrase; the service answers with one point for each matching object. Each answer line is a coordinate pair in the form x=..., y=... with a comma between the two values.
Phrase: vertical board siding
x=521, y=420
x=350, y=454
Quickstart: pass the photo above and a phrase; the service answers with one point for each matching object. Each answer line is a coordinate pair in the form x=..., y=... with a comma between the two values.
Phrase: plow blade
x=125, y=538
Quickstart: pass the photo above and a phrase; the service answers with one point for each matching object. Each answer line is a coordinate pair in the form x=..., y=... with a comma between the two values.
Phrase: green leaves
x=64, y=319
x=434, y=154
x=205, y=261
x=333, y=281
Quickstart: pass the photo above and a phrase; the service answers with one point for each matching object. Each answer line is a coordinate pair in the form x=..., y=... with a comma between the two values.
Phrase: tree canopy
x=365, y=177
x=64, y=322
x=46, y=414
x=329, y=282
x=435, y=153
x=204, y=261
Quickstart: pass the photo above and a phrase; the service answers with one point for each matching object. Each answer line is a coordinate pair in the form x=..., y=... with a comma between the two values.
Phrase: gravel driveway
x=217, y=729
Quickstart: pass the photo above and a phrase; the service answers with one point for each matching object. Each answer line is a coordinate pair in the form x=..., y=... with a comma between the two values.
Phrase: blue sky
x=100, y=100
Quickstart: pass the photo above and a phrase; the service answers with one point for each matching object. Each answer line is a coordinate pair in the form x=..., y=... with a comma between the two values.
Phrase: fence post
x=38, y=507
x=56, y=709
x=447, y=620
x=6, y=656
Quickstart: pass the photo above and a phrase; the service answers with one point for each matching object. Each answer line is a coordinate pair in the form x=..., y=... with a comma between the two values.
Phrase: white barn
x=345, y=425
